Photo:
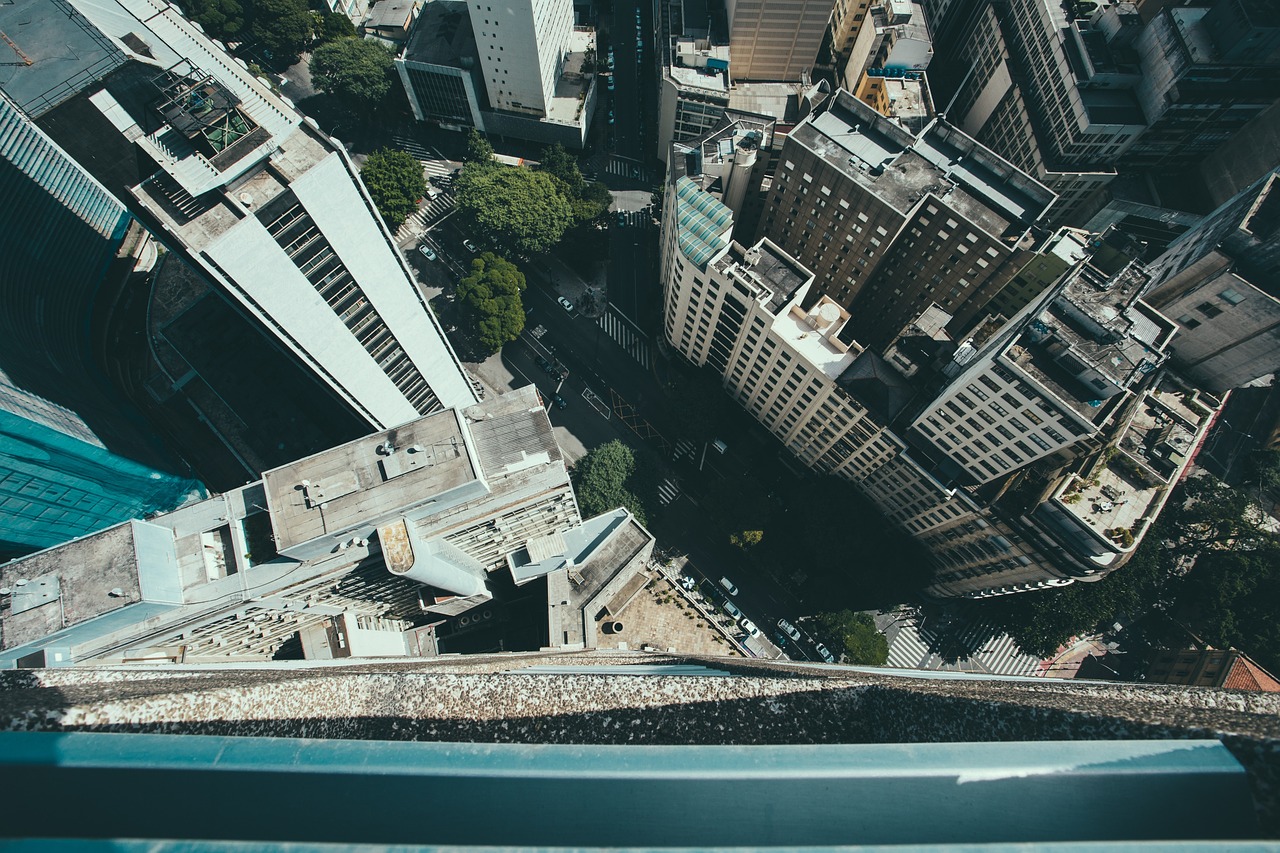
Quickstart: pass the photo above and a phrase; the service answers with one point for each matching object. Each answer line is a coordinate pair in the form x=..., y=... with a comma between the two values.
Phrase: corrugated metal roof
x=704, y=222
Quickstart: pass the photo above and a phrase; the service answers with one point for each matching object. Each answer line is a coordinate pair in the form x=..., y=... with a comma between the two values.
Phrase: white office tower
x=522, y=46
x=232, y=179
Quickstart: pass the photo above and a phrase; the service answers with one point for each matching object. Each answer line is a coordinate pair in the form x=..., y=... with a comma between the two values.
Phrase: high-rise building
x=237, y=184
x=1221, y=282
x=1031, y=452
x=58, y=481
x=776, y=39
x=1072, y=95
x=521, y=47
x=891, y=221
x=515, y=68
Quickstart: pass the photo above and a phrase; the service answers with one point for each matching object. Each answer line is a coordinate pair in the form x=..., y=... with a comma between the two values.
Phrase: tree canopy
x=356, y=72
x=855, y=636
x=282, y=28
x=1231, y=599
x=225, y=19
x=333, y=25
x=478, y=148
x=604, y=479
x=511, y=206
x=395, y=183
x=491, y=294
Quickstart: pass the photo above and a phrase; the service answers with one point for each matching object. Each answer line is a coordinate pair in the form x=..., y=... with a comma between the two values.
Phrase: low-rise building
x=380, y=544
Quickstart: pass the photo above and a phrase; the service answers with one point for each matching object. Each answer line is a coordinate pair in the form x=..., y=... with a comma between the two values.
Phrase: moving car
x=559, y=401
x=824, y=653
x=749, y=626
x=728, y=586
x=469, y=246
x=790, y=630
x=564, y=303
x=427, y=252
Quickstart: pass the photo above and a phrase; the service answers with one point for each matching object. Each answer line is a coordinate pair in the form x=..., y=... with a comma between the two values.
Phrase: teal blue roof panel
x=703, y=222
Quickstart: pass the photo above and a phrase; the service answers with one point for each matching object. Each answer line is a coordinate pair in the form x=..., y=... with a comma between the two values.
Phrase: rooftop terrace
x=1115, y=500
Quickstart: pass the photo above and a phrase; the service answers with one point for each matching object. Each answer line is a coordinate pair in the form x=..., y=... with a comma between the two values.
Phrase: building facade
x=1032, y=452
x=776, y=39
x=58, y=481
x=894, y=221
x=262, y=204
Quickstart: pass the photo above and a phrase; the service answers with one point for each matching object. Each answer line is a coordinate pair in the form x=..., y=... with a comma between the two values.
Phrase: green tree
x=330, y=26
x=356, y=72
x=512, y=206
x=282, y=28
x=224, y=19
x=478, y=149
x=395, y=183
x=602, y=480
x=491, y=294
x=745, y=540
x=1207, y=513
x=855, y=636
x=559, y=163
x=1231, y=598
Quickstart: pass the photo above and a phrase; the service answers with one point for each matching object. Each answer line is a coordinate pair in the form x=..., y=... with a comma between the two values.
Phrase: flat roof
x=901, y=168
x=84, y=571
x=768, y=267
x=369, y=479
x=442, y=35
x=67, y=53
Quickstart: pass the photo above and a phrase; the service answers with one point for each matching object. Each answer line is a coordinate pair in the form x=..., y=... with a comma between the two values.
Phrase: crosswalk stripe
x=908, y=651
x=626, y=337
x=668, y=492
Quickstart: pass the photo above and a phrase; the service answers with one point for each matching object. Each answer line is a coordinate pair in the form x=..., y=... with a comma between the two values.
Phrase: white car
x=728, y=586
x=565, y=303
x=469, y=246
x=749, y=626
x=790, y=630
x=824, y=653
x=732, y=609
x=427, y=252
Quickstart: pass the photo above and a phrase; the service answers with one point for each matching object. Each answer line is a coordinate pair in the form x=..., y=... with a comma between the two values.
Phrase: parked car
x=427, y=252
x=790, y=630
x=728, y=586
x=749, y=626
x=469, y=246
x=824, y=653
x=732, y=609
x=544, y=364
x=565, y=303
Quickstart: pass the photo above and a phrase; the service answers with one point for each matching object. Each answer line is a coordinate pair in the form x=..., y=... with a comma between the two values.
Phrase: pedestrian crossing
x=433, y=165
x=668, y=492
x=1000, y=655
x=625, y=169
x=427, y=217
x=684, y=450
x=626, y=336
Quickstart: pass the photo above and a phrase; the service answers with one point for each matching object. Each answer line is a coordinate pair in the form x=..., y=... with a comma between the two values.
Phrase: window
x=1231, y=297
x=1188, y=322
x=1208, y=310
